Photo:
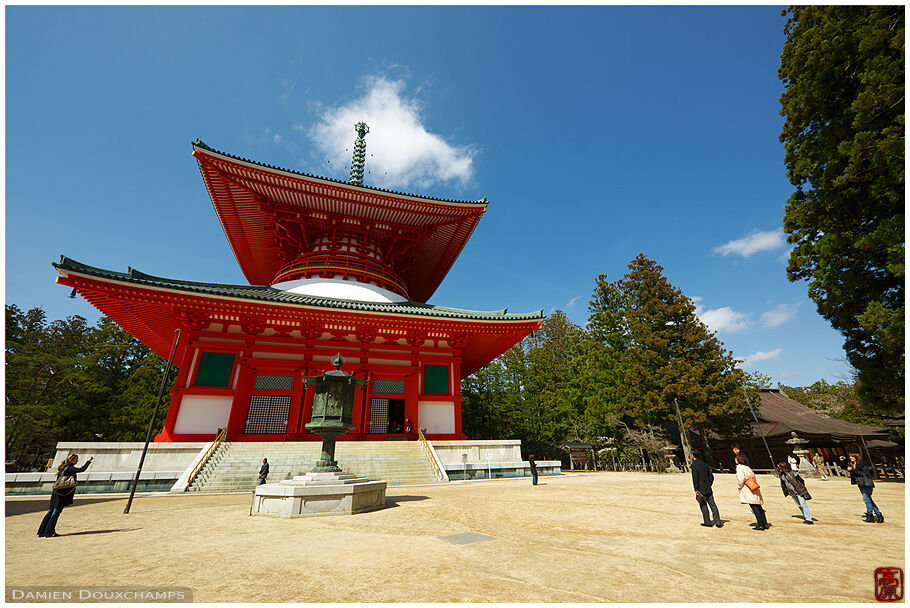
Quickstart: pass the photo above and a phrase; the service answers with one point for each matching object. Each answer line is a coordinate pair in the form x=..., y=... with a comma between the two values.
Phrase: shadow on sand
x=99, y=531
x=41, y=503
x=392, y=501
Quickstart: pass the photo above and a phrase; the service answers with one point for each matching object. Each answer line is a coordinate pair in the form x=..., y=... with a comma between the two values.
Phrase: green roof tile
x=269, y=294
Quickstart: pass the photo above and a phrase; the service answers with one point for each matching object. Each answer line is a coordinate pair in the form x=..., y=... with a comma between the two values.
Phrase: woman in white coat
x=748, y=496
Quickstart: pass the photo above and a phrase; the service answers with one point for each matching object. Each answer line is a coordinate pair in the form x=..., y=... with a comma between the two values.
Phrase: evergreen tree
x=843, y=68
x=663, y=352
x=66, y=380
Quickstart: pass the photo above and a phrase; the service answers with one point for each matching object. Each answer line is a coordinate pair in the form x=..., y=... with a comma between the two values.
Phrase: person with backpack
x=793, y=487
x=62, y=494
x=861, y=475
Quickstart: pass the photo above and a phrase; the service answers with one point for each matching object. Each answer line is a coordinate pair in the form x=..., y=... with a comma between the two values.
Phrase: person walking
x=749, y=492
x=62, y=497
x=702, y=480
x=819, y=463
x=796, y=489
x=861, y=475
x=533, y=464
x=263, y=471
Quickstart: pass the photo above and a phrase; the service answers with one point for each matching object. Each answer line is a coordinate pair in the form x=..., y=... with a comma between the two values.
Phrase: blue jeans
x=533, y=478
x=261, y=480
x=802, y=504
x=49, y=523
x=867, y=498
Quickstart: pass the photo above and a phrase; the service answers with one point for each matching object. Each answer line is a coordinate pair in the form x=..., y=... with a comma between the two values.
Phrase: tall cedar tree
x=69, y=381
x=671, y=355
x=843, y=68
x=551, y=401
x=606, y=340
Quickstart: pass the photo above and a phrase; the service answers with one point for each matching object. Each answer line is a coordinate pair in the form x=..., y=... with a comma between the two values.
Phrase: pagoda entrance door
x=386, y=416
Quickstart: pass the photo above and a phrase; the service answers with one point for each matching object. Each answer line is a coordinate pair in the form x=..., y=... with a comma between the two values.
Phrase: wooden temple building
x=333, y=267
x=779, y=417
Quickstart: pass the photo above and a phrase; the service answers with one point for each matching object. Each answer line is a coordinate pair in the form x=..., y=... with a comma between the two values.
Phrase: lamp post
x=333, y=408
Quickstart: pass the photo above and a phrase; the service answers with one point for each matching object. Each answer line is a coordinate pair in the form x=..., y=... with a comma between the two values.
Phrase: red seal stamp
x=889, y=584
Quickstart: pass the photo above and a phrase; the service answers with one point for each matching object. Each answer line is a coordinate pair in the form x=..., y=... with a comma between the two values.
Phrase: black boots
x=869, y=518
x=880, y=519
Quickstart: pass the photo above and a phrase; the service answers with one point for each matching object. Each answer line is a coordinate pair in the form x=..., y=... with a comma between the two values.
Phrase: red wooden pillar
x=241, y=403
x=456, y=393
x=298, y=394
x=411, y=398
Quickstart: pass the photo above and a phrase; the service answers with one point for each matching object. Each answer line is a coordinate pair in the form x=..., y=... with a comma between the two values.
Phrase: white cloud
x=571, y=303
x=779, y=315
x=761, y=356
x=400, y=151
x=754, y=243
x=723, y=319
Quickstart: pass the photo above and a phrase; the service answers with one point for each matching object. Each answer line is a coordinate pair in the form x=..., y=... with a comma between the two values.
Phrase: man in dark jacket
x=702, y=480
x=263, y=471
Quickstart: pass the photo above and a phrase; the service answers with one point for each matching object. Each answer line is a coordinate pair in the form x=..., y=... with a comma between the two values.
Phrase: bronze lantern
x=333, y=409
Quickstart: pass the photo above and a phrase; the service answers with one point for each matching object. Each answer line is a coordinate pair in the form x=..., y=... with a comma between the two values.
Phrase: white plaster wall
x=343, y=289
x=202, y=414
x=436, y=417
x=498, y=450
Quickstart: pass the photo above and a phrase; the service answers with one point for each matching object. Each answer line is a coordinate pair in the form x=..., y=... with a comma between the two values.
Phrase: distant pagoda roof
x=270, y=215
x=150, y=308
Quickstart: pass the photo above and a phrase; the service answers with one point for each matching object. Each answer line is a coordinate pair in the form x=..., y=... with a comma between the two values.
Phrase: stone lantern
x=333, y=409
x=326, y=489
x=796, y=443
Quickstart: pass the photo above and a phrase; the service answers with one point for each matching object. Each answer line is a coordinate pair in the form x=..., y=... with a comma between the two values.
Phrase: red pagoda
x=334, y=267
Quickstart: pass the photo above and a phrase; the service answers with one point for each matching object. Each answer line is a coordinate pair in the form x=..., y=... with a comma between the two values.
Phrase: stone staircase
x=234, y=467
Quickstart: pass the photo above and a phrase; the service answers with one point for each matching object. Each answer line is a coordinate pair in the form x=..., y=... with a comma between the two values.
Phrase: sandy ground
x=584, y=537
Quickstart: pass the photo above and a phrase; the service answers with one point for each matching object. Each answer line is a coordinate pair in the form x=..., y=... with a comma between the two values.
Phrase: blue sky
x=597, y=133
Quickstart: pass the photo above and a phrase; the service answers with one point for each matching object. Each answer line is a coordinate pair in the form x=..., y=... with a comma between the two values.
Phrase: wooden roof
x=150, y=308
x=270, y=215
x=780, y=415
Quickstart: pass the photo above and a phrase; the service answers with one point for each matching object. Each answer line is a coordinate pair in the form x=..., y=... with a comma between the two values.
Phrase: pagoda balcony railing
x=331, y=263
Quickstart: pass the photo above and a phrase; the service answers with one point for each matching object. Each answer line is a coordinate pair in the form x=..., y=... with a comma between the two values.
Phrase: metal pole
x=148, y=435
x=869, y=455
x=683, y=437
x=758, y=426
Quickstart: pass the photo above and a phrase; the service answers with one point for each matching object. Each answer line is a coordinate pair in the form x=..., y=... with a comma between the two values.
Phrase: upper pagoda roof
x=268, y=214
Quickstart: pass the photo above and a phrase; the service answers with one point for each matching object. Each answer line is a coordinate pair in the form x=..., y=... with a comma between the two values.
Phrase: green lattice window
x=436, y=379
x=266, y=382
x=393, y=387
x=215, y=369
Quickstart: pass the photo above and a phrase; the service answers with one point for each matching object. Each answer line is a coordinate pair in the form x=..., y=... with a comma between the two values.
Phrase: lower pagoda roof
x=151, y=308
